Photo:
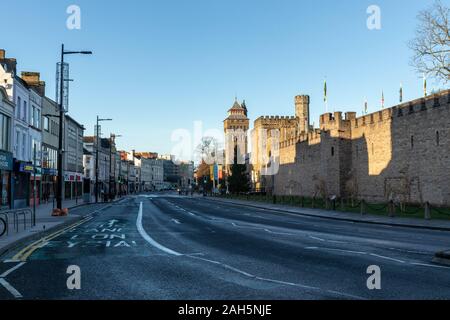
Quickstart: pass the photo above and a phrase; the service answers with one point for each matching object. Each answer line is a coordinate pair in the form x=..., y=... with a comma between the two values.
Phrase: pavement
x=443, y=225
x=167, y=247
x=45, y=223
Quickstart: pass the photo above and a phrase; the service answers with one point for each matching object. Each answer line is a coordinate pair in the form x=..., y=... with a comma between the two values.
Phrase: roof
x=89, y=139
x=236, y=106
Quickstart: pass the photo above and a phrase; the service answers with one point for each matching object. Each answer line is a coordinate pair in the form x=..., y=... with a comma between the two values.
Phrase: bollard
x=427, y=211
x=391, y=209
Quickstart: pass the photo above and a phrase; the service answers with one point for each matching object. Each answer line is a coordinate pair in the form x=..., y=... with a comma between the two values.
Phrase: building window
x=4, y=132
x=332, y=151
x=46, y=124
x=437, y=138
x=412, y=142
x=38, y=119
x=19, y=106
x=33, y=116
x=24, y=144
x=24, y=115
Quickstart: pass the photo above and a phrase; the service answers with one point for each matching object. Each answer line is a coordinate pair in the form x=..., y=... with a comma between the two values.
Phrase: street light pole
x=59, y=191
x=61, y=128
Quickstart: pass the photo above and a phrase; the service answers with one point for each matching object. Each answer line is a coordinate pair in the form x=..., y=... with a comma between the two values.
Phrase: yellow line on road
x=25, y=253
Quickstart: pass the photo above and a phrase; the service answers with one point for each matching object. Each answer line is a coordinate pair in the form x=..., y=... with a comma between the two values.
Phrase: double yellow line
x=25, y=253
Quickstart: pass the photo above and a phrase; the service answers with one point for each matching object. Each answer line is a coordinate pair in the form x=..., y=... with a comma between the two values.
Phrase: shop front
x=48, y=184
x=35, y=186
x=6, y=167
x=22, y=172
x=73, y=185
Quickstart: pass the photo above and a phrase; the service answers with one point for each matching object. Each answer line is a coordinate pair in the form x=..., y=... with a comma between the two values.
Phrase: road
x=170, y=247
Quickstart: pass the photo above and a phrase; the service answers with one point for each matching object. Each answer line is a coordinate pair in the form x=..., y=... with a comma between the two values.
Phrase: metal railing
x=19, y=217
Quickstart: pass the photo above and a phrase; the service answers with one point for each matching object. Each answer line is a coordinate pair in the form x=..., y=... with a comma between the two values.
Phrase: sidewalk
x=45, y=223
x=442, y=225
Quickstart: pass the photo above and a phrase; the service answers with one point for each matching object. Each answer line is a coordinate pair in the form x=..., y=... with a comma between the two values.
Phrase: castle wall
x=401, y=153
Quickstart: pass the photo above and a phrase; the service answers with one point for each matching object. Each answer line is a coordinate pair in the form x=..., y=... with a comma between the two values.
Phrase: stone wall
x=401, y=153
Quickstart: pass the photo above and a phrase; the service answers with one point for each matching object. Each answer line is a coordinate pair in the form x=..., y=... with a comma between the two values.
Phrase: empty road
x=164, y=246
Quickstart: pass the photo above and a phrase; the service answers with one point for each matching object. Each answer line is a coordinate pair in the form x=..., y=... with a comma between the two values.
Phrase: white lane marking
x=6, y=273
x=7, y=285
x=316, y=238
x=279, y=233
x=409, y=251
x=10, y=288
x=330, y=241
x=176, y=221
x=338, y=250
x=292, y=284
x=387, y=258
x=358, y=252
x=429, y=265
x=148, y=238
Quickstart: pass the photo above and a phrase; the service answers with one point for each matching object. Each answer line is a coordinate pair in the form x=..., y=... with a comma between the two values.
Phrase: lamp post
x=111, y=140
x=61, y=125
x=96, y=155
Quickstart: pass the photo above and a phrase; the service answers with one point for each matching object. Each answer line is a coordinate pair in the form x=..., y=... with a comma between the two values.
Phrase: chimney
x=33, y=79
x=10, y=63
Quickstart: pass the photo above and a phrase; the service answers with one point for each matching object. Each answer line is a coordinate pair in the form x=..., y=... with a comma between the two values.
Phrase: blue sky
x=161, y=65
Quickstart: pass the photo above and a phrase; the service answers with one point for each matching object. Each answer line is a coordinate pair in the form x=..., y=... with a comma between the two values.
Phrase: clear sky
x=161, y=65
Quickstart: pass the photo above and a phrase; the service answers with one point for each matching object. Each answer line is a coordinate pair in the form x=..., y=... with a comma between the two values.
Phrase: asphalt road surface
x=170, y=247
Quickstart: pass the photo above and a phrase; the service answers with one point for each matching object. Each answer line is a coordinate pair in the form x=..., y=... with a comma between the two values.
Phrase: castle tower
x=236, y=126
x=302, y=112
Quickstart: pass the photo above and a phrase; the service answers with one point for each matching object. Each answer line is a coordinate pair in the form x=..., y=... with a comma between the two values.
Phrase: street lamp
x=96, y=156
x=61, y=124
x=111, y=139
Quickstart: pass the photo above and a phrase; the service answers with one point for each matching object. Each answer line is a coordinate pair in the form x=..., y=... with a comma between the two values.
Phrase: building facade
x=19, y=93
x=6, y=155
x=73, y=158
x=50, y=144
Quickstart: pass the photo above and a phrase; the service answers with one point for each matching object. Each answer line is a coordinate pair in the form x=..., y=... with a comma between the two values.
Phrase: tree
x=208, y=150
x=238, y=181
x=431, y=46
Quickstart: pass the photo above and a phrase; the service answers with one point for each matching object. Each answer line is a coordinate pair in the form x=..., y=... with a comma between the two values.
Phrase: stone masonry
x=400, y=153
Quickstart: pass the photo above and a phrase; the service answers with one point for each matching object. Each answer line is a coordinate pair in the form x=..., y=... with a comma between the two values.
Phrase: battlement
x=407, y=108
x=302, y=99
x=275, y=121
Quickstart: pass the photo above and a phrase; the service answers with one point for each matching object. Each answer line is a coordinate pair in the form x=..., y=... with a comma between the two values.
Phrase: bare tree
x=431, y=46
x=208, y=150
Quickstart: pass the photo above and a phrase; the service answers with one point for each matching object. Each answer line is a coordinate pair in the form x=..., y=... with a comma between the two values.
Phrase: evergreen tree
x=238, y=181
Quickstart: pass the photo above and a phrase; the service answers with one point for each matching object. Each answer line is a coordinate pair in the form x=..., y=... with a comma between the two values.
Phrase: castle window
x=412, y=142
x=332, y=151
x=437, y=138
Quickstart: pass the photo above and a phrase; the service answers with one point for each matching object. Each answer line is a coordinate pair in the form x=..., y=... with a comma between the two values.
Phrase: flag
x=366, y=106
x=401, y=92
x=325, y=96
x=424, y=85
x=382, y=99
